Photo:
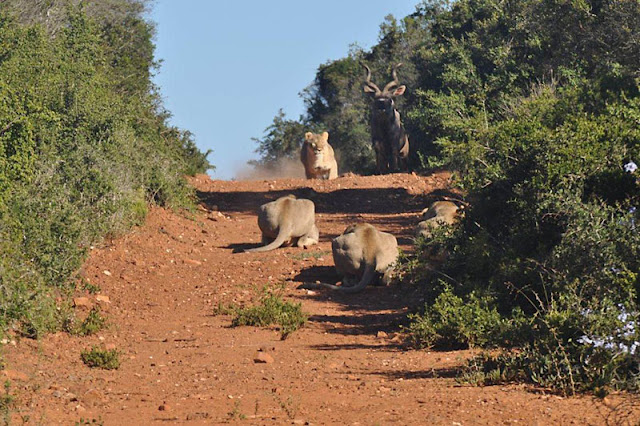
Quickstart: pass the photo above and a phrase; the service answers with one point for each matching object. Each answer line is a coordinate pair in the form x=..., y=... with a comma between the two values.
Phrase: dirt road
x=183, y=364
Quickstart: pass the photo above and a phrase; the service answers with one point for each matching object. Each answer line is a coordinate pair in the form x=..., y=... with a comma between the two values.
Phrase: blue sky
x=228, y=66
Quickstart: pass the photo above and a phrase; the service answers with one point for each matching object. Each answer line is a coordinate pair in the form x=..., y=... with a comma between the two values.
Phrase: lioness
x=286, y=221
x=317, y=157
x=438, y=214
x=362, y=255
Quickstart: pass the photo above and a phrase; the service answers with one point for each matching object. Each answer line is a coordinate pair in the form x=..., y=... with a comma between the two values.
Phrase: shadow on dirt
x=391, y=347
x=326, y=274
x=347, y=201
x=240, y=248
x=434, y=373
x=361, y=324
x=375, y=309
x=398, y=209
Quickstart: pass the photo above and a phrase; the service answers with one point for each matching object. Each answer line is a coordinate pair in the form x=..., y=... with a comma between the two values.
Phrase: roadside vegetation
x=535, y=107
x=97, y=357
x=85, y=146
x=271, y=310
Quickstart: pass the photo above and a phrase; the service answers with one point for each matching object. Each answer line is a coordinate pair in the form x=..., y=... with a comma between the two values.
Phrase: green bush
x=7, y=401
x=97, y=357
x=550, y=232
x=84, y=146
x=272, y=309
x=549, y=240
x=451, y=322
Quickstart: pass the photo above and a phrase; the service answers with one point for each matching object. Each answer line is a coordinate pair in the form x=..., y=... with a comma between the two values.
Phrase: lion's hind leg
x=309, y=239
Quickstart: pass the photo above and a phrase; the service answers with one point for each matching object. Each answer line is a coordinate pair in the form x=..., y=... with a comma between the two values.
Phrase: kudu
x=387, y=134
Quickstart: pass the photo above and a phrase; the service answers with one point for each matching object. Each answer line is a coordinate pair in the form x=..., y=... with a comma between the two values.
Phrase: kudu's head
x=383, y=99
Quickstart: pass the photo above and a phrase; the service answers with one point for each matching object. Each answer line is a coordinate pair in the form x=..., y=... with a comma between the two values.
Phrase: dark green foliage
x=464, y=59
x=549, y=232
x=486, y=369
x=101, y=358
x=548, y=229
x=272, y=309
x=84, y=145
x=195, y=160
x=451, y=322
x=91, y=288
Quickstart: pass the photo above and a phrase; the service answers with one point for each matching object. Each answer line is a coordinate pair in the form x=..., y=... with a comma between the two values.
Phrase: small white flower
x=612, y=343
x=585, y=340
x=630, y=167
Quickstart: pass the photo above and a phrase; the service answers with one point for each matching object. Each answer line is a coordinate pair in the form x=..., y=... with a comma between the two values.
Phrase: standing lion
x=317, y=157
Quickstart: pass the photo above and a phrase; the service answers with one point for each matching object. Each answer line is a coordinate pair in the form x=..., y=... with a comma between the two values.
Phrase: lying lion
x=438, y=214
x=317, y=157
x=362, y=256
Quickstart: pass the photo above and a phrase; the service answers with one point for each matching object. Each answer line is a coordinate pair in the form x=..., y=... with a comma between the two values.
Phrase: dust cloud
x=283, y=168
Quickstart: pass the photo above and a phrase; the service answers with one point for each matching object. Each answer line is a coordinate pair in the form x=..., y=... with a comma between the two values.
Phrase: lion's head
x=317, y=142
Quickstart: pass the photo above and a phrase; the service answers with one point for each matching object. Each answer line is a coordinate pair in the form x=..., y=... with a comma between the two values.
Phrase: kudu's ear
x=399, y=90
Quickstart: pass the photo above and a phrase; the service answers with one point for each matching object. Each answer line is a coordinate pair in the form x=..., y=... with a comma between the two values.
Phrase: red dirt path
x=182, y=364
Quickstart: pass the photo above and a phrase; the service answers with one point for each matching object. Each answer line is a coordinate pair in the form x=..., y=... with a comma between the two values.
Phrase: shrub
x=451, y=322
x=101, y=358
x=551, y=231
x=272, y=309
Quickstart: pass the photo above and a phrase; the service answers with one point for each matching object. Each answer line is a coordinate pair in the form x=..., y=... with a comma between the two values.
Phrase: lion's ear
x=325, y=136
x=308, y=136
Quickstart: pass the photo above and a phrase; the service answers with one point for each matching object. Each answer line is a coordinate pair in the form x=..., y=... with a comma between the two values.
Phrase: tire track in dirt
x=183, y=364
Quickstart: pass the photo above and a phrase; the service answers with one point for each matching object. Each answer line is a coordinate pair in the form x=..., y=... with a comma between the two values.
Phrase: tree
x=282, y=139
